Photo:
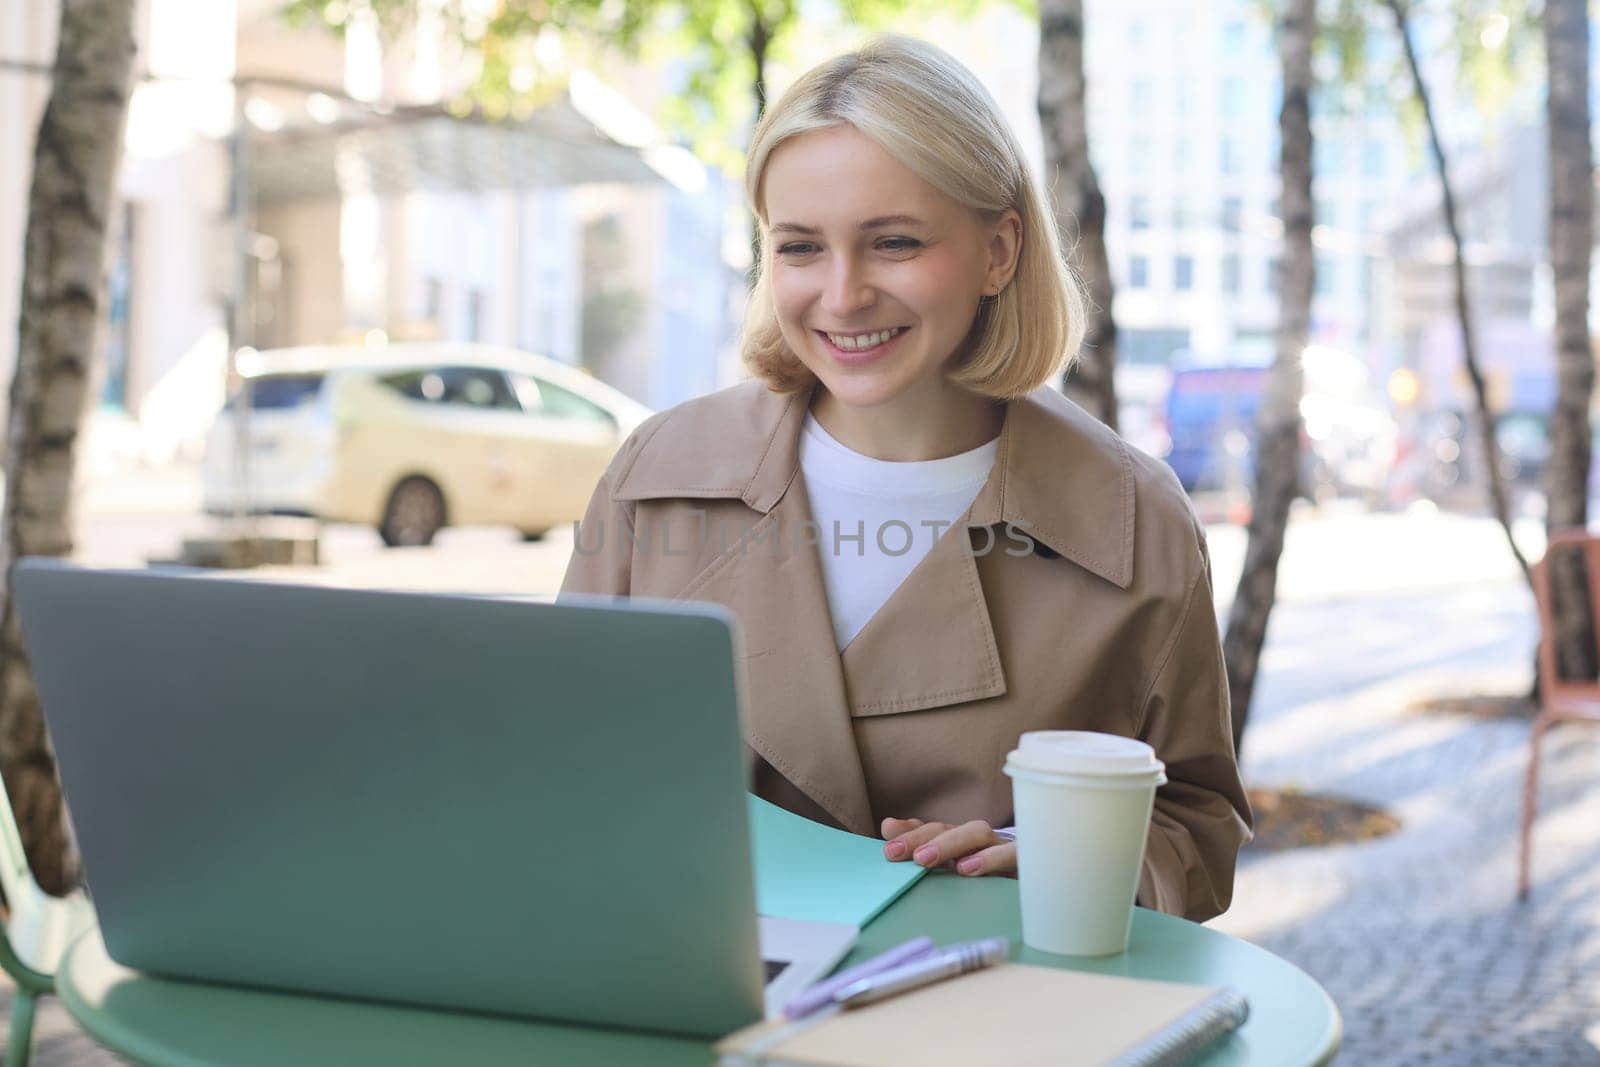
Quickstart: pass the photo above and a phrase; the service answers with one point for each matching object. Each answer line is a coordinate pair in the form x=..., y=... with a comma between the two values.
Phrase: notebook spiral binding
x=1220, y=1014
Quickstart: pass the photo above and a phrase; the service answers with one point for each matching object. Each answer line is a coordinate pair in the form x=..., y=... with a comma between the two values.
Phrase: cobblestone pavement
x=1419, y=936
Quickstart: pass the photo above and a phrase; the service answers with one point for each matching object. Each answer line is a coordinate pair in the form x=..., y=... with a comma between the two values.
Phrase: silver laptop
x=497, y=805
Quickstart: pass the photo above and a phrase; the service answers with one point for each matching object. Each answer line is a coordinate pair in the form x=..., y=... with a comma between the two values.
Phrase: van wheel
x=415, y=513
x=531, y=536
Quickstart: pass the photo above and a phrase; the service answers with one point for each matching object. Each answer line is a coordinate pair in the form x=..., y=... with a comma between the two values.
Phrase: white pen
x=947, y=963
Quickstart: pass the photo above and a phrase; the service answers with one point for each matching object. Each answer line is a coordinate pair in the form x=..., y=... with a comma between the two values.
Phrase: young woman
x=928, y=551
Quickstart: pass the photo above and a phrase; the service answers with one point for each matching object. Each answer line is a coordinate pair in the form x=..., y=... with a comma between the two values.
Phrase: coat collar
x=744, y=443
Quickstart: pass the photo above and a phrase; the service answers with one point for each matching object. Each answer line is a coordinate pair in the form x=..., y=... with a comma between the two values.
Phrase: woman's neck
x=947, y=422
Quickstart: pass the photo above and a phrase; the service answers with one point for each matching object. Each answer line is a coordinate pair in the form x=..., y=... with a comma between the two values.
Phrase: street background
x=298, y=197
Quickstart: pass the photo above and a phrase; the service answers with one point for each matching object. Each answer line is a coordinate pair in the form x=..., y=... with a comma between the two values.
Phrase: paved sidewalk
x=1419, y=937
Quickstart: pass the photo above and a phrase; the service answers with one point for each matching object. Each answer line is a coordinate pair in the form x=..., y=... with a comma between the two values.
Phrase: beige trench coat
x=1074, y=594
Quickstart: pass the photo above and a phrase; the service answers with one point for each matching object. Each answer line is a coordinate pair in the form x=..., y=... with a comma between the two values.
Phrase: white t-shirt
x=877, y=519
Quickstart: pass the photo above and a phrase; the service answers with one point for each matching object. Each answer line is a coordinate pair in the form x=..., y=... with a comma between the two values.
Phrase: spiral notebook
x=1015, y=1014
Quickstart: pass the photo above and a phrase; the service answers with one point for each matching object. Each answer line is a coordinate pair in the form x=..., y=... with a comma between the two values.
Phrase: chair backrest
x=38, y=927
x=1563, y=541
x=16, y=877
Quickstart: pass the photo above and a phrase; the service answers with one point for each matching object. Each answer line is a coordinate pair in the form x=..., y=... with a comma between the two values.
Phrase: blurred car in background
x=1348, y=438
x=1211, y=425
x=1442, y=459
x=1524, y=441
x=410, y=438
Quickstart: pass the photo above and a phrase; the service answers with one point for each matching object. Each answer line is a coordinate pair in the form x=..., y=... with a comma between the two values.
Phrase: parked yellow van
x=411, y=438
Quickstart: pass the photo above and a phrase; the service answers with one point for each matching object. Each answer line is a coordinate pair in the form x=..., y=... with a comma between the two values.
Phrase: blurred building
x=1501, y=184
x=164, y=343
x=1498, y=151
x=1183, y=128
x=574, y=230
x=1184, y=102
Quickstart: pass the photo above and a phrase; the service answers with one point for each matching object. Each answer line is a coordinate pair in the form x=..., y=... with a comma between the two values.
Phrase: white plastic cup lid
x=1083, y=752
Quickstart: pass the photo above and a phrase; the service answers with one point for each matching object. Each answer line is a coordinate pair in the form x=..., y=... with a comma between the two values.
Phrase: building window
x=1230, y=274
x=1139, y=156
x=1233, y=38
x=1183, y=273
x=1235, y=99
x=1139, y=212
x=1231, y=162
x=1232, y=213
x=1138, y=272
x=1150, y=347
x=1143, y=97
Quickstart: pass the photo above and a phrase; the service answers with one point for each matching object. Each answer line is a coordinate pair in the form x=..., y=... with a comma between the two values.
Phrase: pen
x=957, y=959
x=821, y=994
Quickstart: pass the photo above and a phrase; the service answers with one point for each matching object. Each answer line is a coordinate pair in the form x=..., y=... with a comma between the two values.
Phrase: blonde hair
x=932, y=115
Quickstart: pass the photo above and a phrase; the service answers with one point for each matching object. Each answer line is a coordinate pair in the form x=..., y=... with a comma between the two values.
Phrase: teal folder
x=814, y=873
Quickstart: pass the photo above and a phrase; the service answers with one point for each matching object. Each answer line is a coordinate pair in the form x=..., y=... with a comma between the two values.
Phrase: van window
x=271, y=392
x=546, y=398
x=474, y=387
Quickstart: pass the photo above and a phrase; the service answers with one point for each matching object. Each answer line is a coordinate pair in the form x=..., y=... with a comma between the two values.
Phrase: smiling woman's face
x=875, y=274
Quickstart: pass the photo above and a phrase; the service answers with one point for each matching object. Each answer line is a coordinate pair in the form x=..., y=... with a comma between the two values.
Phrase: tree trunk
x=69, y=206
x=1278, y=434
x=1566, y=29
x=1080, y=207
x=760, y=40
x=1469, y=340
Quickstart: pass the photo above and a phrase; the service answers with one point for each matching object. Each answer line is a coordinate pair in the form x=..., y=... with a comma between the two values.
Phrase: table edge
x=109, y=1033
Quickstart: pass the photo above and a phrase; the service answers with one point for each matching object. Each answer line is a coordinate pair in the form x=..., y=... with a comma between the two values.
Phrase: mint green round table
x=161, y=1021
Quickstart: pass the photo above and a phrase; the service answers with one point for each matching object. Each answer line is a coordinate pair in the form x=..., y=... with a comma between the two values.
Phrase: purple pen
x=821, y=994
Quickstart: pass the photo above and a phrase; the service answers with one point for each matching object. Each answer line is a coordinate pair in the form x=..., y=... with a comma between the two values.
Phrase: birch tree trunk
x=1080, y=207
x=760, y=39
x=1278, y=438
x=1566, y=31
x=63, y=276
x=1464, y=317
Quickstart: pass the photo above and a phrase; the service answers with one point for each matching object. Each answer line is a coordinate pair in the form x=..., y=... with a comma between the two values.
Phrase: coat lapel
x=797, y=715
x=798, y=719
x=932, y=644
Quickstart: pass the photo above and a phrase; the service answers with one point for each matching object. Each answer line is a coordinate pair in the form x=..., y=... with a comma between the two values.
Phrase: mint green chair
x=37, y=930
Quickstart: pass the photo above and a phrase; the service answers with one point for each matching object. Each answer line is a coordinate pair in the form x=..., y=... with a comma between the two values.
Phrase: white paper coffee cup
x=1082, y=803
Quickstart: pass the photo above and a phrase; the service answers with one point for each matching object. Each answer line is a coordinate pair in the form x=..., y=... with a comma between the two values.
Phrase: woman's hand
x=973, y=847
